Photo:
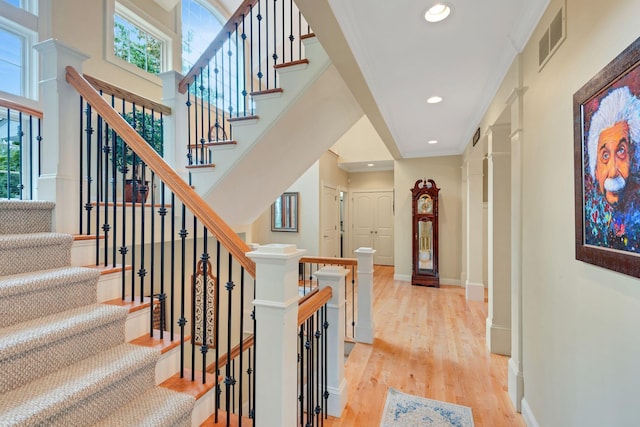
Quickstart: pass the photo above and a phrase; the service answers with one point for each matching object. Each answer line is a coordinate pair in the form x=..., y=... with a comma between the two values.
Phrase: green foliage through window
x=136, y=46
x=10, y=166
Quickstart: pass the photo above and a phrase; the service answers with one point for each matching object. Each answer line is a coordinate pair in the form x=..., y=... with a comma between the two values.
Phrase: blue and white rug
x=403, y=409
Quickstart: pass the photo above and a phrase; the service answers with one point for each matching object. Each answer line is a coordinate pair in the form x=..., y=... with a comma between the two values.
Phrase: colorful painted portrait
x=607, y=130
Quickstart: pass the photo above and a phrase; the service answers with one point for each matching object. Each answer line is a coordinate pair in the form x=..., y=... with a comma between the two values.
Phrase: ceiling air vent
x=553, y=36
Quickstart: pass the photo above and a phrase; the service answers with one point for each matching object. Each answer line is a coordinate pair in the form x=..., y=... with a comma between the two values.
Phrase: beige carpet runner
x=63, y=359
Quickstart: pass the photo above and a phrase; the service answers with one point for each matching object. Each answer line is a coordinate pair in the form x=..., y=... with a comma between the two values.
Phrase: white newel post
x=333, y=276
x=365, y=326
x=59, y=179
x=276, y=306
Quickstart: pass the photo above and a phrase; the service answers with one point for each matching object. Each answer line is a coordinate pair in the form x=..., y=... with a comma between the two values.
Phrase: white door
x=330, y=213
x=373, y=223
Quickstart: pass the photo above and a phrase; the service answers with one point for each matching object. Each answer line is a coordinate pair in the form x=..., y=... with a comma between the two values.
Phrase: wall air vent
x=552, y=38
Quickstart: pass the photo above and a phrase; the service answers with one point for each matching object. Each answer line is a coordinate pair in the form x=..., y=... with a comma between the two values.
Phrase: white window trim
x=135, y=16
x=24, y=24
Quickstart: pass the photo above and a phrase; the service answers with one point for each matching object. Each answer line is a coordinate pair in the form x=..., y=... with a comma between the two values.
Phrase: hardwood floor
x=429, y=342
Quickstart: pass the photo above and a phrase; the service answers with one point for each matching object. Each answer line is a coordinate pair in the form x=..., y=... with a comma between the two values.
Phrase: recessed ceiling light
x=370, y=164
x=433, y=141
x=434, y=100
x=437, y=12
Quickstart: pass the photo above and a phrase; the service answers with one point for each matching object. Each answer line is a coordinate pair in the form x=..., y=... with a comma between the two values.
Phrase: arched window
x=201, y=23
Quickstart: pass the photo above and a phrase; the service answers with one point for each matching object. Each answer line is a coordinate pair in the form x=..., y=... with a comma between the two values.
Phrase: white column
x=365, y=325
x=59, y=180
x=498, y=325
x=515, y=371
x=333, y=277
x=276, y=306
x=474, y=284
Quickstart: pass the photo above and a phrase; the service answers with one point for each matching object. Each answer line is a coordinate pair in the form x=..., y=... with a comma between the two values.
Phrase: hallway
x=429, y=342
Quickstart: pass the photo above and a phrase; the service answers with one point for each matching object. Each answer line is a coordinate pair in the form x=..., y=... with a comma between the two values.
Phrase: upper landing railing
x=20, y=138
x=240, y=63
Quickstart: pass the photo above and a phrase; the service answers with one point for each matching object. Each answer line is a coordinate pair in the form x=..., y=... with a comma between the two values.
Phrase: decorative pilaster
x=474, y=283
x=333, y=277
x=498, y=326
x=365, y=326
x=515, y=369
x=59, y=179
x=276, y=307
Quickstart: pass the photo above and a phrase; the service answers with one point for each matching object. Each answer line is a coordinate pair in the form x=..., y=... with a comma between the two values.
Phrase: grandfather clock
x=425, y=233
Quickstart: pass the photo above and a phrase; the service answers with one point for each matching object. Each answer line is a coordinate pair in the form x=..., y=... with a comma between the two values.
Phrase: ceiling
x=393, y=60
x=404, y=60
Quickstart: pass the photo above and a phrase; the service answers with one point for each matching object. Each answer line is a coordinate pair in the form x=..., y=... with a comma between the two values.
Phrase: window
x=200, y=25
x=136, y=44
x=11, y=62
x=18, y=62
x=197, y=19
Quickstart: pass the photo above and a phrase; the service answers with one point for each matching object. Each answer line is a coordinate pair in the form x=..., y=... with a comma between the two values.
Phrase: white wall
x=307, y=236
x=445, y=171
x=580, y=322
x=309, y=185
x=361, y=143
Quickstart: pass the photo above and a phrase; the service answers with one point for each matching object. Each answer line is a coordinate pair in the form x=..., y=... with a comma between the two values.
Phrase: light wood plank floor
x=429, y=342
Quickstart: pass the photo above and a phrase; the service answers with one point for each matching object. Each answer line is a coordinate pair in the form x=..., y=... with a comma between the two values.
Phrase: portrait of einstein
x=612, y=166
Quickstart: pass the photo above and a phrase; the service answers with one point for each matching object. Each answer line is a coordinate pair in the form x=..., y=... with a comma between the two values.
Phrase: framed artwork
x=607, y=165
x=284, y=213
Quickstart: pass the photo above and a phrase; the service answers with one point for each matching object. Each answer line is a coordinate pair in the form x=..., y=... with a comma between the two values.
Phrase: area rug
x=403, y=409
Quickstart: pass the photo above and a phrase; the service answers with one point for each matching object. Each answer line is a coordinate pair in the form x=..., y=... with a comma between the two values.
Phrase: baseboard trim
x=402, y=277
x=475, y=291
x=515, y=384
x=498, y=338
x=527, y=414
x=449, y=281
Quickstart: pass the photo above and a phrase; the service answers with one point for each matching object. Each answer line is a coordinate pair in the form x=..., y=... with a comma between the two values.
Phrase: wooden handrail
x=5, y=103
x=141, y=101
x=216, y=44
x=312, y=304
x=328, y=260
x=192, y=200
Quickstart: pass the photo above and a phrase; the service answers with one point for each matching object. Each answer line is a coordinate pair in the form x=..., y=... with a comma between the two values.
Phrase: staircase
x=293, y=127
x=63, y=355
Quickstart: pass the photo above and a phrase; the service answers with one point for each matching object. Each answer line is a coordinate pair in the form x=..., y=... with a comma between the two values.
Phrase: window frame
x=24, y=24
x=140, y=20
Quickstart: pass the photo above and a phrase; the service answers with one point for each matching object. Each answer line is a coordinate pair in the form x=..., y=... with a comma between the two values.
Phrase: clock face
x=425, y=204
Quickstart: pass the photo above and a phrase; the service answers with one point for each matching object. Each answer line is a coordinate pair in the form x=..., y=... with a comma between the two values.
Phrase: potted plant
x=150, y=129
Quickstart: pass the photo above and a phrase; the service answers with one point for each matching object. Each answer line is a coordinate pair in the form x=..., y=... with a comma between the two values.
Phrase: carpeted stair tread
x=21, y=253
x=25, y=216
x=158, y=407
x=28, y=296
x=84, y=392
x=32, y=349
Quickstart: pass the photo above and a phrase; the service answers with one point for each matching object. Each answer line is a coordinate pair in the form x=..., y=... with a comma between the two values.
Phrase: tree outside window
x=136, y=46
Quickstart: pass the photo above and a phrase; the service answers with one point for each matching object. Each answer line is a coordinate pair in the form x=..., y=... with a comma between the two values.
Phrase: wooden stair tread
x=234, y=420
x=129, y=204
x=240, y=119
x=81, y=237
x=267, y=91
x=213, y=144
x=108, y=269
x=193, y=388
x=201, y=166
x=307, y=36
x=133, y=306
x=163, y=344
x=291, y=64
